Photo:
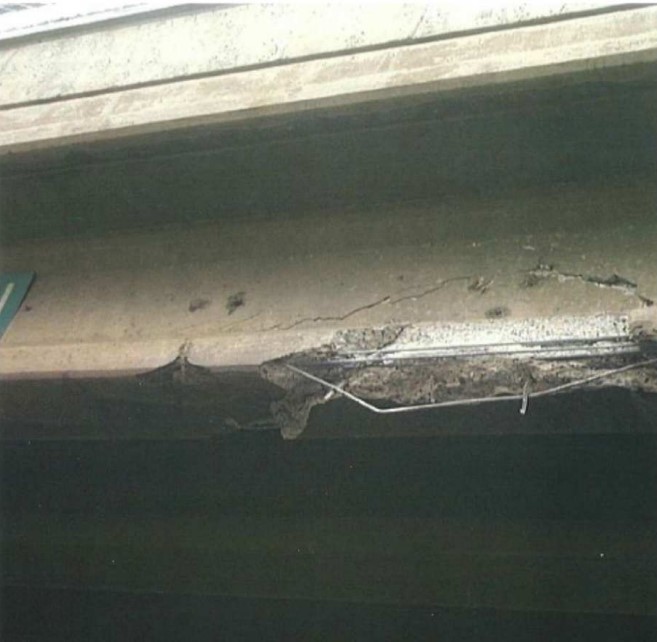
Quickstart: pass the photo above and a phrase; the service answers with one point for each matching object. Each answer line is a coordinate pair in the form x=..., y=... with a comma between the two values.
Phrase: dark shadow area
x=481, y=142
x=51, y=614
x=533, y=504
x=602, y=478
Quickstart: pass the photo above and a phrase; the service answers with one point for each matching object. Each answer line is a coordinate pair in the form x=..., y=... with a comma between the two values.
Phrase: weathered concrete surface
x=545, y=50
x=175, y=267
x=169, y=270
x=234, y=295
x=128, y=302
x=213, y=40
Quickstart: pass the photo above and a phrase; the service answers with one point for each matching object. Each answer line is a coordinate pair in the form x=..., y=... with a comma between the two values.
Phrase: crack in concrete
x=429, y=291
x=351, y=313
x=369, y=306
x=228, y=326
x=614, y=281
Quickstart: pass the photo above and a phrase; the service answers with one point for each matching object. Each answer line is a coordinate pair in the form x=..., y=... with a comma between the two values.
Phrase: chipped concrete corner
x=465, y=364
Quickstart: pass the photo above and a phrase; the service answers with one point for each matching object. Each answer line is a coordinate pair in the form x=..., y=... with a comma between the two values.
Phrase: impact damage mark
x=614, y=281
x=315, y=377
x=235, y=301
x=178, y=371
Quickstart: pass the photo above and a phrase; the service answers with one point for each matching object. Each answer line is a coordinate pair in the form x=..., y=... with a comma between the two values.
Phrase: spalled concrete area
x=221, y=297
x=450, y=238
x=461, y=262
x=179, y=273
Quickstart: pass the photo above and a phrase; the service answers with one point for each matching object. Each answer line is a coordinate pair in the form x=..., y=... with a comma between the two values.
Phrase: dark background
x=596, y=479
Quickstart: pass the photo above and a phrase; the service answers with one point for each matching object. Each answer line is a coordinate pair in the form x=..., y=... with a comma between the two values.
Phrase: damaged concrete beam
x=470, y=298
x=414, y=368
x=125, y=303
x=423, y=368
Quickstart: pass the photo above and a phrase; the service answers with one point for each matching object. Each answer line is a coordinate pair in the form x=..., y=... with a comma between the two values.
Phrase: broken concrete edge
x=405, y=380
x=412, y=364
x=613, y=281
x=235, y=350
x=642, y=323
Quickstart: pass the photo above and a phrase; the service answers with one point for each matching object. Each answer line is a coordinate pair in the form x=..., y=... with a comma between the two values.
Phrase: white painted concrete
x=539, y=51
x=211, y=40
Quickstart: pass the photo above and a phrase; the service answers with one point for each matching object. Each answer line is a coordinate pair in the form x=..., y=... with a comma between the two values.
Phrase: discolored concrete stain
x=235, y=301
x=199, y=304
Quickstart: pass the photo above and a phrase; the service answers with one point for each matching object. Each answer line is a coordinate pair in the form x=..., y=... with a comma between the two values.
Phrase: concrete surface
x=543, y=50
x=515, y=207
x=170, y=270
x=214, y=40
x=128, y=302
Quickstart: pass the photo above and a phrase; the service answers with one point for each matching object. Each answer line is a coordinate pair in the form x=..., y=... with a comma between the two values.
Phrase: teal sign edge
x=13, y=288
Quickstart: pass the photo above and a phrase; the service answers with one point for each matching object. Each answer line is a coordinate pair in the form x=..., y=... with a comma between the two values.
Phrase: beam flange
x=554, y=49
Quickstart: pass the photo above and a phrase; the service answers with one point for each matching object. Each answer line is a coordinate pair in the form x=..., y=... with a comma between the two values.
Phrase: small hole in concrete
x=198, y=304
x=497, y=312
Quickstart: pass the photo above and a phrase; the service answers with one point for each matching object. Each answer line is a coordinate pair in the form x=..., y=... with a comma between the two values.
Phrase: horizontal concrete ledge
x=117, y=359
x=572, y=46
x=507, y=271
x=66, y=18
x=555, y=337
x=217, y=39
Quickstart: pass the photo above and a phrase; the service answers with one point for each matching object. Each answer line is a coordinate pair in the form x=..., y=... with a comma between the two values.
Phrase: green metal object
x=13, y=288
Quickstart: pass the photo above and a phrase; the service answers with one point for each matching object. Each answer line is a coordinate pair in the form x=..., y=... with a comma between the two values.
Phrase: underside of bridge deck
x=479, y=244
x=449, y=239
